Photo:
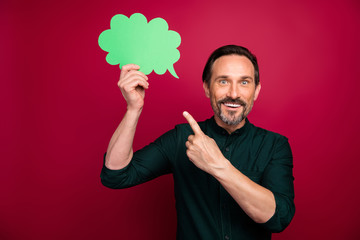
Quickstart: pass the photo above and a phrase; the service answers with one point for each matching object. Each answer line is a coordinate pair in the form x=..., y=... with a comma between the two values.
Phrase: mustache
x=231, y=100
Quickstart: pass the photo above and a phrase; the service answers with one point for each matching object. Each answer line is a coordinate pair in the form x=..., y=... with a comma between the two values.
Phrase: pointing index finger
x=193, y=124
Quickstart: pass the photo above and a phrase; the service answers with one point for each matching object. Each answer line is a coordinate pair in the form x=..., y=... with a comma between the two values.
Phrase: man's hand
x=132, y=84
x=203, y=150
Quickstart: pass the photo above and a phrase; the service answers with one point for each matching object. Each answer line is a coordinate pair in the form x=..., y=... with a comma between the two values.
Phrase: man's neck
x=229, y=128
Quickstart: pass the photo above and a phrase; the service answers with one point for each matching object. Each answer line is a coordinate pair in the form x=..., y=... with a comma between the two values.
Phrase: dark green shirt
x=204, y=208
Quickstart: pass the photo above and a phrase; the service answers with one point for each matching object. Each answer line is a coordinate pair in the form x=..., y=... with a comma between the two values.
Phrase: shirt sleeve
x=147, y=163
x=278, y=178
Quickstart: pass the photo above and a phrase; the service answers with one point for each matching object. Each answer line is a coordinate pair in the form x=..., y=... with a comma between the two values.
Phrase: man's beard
x=230, y=118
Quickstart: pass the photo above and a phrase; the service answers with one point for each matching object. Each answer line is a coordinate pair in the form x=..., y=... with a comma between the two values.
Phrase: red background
x=60, y=105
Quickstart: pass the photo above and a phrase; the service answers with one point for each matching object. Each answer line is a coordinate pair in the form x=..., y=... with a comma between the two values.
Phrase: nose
x=233, y=91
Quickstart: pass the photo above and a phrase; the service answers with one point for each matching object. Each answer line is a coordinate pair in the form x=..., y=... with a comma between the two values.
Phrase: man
x=232, y=180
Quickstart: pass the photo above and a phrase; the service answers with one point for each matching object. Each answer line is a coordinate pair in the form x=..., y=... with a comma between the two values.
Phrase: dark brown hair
x=229, y=50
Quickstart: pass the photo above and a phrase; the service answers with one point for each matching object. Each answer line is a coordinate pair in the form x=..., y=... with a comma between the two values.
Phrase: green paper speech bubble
x=151, y=45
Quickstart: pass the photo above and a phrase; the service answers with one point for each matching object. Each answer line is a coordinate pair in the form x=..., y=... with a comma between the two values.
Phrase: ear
x=206, y=89
x=257, y=91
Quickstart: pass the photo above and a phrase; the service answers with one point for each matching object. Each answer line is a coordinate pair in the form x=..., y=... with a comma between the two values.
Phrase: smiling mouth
x=232, y=105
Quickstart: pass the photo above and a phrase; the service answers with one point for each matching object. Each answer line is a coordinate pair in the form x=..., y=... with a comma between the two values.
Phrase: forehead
x=233, y=65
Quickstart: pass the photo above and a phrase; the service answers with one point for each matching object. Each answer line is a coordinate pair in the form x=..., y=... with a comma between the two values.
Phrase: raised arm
x=132, y=84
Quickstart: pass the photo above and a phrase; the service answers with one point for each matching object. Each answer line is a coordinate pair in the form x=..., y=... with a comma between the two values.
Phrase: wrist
x=222, y=172
x=133, y=110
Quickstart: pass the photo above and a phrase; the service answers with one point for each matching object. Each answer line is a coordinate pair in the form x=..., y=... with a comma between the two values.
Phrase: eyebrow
x=225, y=77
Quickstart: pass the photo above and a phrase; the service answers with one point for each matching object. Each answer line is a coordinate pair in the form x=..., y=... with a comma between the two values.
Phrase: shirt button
x=226, y=237
x=227, y=149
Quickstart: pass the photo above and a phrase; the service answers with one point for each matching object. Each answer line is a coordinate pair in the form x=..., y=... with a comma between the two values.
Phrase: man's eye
x=244, y=82
x=223, y=82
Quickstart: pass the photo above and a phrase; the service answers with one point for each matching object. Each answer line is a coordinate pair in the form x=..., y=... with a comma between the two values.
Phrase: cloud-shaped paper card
x=151, y=45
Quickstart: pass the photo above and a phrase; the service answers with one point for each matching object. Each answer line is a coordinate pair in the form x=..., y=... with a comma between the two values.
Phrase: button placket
x=225, y=214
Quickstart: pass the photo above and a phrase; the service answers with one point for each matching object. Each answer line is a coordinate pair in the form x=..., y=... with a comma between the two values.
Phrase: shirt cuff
x=280, y=220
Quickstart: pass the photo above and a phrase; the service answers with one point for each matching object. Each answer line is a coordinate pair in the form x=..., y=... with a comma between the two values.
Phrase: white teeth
x=232, y=105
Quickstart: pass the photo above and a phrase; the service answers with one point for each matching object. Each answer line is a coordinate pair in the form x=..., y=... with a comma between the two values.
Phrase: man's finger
x=134, y=79
x=128, y=67
x=193, y=124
